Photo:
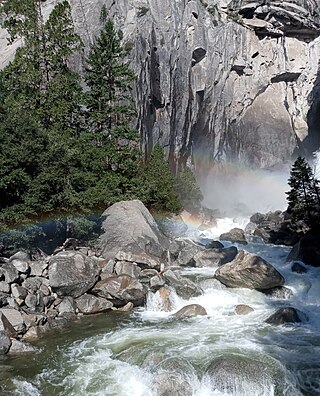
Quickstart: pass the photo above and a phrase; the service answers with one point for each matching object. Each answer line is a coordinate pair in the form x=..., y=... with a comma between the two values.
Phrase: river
x=118, y=354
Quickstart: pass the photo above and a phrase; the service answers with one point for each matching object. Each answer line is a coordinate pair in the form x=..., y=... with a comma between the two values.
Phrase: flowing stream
x=128, y=354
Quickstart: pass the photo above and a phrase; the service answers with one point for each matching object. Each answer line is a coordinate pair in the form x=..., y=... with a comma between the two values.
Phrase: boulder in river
x=72, y=273
x=243, y=309
x=249, y=271
x=190, y=311
x=130, y=228
x=235, y=235
x=215, y=257
x=240, y=375
x=280, y=292
x=298, y=268
x=307, y=249
x=285, y=315
x=184, y=287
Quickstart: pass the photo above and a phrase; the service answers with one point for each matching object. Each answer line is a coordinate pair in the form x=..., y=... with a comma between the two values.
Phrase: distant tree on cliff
x=304, y=195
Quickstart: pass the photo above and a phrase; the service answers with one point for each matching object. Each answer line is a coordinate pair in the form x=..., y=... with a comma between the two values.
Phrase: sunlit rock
x=249, y=271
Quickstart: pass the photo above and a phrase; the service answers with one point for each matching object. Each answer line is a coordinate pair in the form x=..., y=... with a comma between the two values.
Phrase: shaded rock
x=156, y=282
x=89, y=304
x=215, y=257
x=127, y=268
x=120, y=290
x=238, y=375
x=190, y=311
x=243, y=309
x=184, y=287
x=147, y=274
x=235, y=235
x=5, y=343
x=67, y=305
x=130, y=228
x=14, y=318
x=3, y=299
x=284, y=315
x=6, y=326
x=250, y=271
x=36, y=332
x=72, y=273
x=9, y=272
x=18, y=347
x=279, y=292
x=34, y=284
x=214, y=245
x=307, y=250
x=19, y=293
x=299, y=268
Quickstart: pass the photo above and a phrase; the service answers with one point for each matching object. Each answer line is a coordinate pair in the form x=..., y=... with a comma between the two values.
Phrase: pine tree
x=303, y=197
x=109, y=79
x=188, y=190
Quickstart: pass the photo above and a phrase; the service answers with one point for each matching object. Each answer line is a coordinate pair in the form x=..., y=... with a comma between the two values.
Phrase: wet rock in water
x=215, y=257
x=14, y=317
x=211, y=283
x=279, y=292
x=240, y=375
x=72, y=273
x=67, y=305
x=120, y=290
x=184, y=287
x=21, y=347
x=156, y=282
x=243, y=309
x=89, y=304
x=214, y=245
x=164, y=295
x=285, y=315
x=126, y=308
x=249, y=271
x=130, y=228
x=235, y=235
x=299, y=268
x=5, y=343
x=173, y=377
x=307, y=250
x=190, y=311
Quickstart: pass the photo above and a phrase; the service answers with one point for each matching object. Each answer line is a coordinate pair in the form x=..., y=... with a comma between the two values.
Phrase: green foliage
x=157, y=183
x=304, y=195
x=20, y=239
x=189, y=191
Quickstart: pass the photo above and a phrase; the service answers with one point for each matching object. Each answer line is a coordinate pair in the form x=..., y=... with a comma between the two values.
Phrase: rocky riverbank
x=133, y=258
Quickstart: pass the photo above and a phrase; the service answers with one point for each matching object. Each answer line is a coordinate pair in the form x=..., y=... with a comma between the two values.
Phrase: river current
x=119, y=354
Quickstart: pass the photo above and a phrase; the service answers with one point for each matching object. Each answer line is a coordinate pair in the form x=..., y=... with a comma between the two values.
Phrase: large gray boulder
x=184, y=287
x=15, y=319
x=89, y=304
x=235, y=235
x=249, y=271
x=285, y=315
x=240, y=375
x=131, y=234
x=120, y=290
x=72, y=273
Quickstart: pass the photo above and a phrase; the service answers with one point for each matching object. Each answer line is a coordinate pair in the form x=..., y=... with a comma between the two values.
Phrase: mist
x=239, y=191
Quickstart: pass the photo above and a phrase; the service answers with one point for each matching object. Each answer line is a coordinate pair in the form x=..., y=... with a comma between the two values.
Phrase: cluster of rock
x=134, y=258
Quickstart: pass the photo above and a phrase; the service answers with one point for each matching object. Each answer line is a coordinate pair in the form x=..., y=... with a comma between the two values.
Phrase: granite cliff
x=218, y=79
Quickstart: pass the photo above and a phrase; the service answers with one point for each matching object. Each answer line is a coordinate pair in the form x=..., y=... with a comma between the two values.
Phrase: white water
x=125, y=361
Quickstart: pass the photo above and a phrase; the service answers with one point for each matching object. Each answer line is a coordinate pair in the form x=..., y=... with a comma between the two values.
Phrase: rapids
x=119, y=354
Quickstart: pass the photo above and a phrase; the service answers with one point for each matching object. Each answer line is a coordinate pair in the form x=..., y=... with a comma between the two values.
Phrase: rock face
x=250, y=271
x=72, y=273
x=131, y=234
x=232, y=79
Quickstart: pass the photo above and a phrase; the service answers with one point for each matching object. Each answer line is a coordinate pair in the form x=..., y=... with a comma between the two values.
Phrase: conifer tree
x=303, y=197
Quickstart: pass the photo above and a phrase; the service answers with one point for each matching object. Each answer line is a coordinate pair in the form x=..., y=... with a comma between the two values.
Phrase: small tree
x=188, y=190
x=157, y=184
x=303, y=197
